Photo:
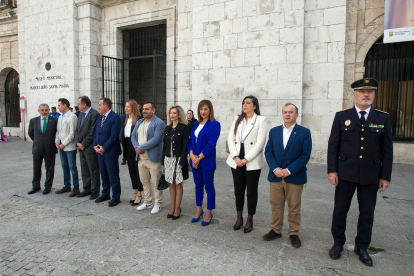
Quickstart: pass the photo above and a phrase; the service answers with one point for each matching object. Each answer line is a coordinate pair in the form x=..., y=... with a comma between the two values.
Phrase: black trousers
x=132, y=165
x=37, y=170
x=367, y=199
x=242, y=179
x=90, y=172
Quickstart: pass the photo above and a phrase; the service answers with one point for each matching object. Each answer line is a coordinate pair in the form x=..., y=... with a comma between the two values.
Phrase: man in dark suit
x=107, y=147
x=287, y=153
x=42, y=131
x=85, y=132
x=360, y=153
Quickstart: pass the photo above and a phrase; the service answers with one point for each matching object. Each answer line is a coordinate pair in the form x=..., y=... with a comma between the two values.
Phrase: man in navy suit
x=287, y=153
x=108, y=149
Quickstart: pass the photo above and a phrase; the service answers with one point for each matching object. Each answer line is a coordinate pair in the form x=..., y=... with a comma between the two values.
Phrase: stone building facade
x=303, y=52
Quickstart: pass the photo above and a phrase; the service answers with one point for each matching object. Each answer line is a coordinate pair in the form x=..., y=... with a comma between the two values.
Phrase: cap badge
x=366, y=81
x=347, y=122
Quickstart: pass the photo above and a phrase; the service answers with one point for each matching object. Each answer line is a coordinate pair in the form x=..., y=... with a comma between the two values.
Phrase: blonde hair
x=181, y=115
x=135, y=112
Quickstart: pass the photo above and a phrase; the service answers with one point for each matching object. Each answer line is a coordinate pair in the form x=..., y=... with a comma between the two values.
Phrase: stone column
x=90, y=76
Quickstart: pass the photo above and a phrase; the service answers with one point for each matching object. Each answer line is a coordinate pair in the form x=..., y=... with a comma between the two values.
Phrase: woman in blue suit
x=202, y=149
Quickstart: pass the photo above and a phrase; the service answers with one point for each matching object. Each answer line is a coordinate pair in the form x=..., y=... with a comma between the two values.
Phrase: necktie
x=83, y=118
x=362, y=117
x=44, y=126
x=103, y=120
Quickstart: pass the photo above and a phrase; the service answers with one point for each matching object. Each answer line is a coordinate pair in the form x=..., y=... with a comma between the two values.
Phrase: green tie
x=44, y=126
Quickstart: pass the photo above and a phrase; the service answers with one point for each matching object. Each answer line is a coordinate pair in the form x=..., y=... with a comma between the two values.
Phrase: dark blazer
x=122, y=134
x=84, y=134
x=108, y=135
x=178, y=137
x=206, y=144
x=294, y=157
x=361, y=154
x=190, y=124
x=43, y=143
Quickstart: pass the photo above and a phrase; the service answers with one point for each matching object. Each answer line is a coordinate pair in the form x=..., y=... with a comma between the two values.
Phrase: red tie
x=103, y=120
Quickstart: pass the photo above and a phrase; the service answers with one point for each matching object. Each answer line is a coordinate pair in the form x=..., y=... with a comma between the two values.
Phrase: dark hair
x=210, y=106
x=151, y=103
x=107, y=101
x=297, y=109
x=54, y=107
x=86, y=100
x=243, y=115
x=64, y=101
x=76, y=108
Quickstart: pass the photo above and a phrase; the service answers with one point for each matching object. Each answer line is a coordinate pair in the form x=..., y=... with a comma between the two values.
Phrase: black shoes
x=295, y=241
x=271, y=236
x=170, y=215
x=176, y=217
x=364, y=256
x=102, y=198
x=335, y=252
x=248, y=229
x=84, y=193
x=238, y=226
x=123, y=162
x=34, y=190
x=46, y=191
x=94, y=196
x=114, y=202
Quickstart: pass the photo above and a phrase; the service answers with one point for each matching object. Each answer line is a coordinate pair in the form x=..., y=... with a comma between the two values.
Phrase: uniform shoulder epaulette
x=381, y=111
x=343, y=110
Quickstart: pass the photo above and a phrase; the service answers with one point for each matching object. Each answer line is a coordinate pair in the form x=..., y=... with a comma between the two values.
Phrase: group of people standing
x=152, y=148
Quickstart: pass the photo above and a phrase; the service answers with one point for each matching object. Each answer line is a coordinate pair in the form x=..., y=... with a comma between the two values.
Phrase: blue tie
x=83, y=118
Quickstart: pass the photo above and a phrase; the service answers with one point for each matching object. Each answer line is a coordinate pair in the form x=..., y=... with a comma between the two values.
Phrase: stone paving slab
x=57, y=235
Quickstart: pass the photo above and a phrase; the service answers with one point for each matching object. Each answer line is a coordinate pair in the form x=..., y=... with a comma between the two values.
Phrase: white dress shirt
x=366, y=110
x=127, y=129
x=286, y=135
x=197, y=131
x=244, y=126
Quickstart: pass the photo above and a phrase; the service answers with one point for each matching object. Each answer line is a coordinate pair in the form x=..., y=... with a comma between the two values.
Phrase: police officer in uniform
x=360, y=153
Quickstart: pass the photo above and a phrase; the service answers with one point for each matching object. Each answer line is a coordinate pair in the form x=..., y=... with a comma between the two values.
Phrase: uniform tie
x=44, y=126
x=362, y=117
x=103, y=120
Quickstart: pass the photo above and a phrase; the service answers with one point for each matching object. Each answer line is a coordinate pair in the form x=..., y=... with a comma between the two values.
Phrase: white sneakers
x=144, y=206
x=154, y=210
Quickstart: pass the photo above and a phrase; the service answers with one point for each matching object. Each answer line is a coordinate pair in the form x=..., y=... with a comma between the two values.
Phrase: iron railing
x=392, y=65
x=113, y=82
x=8, y=4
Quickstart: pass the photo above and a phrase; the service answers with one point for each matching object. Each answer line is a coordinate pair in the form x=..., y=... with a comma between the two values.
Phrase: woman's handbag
x=2, y=136
x=162, y=183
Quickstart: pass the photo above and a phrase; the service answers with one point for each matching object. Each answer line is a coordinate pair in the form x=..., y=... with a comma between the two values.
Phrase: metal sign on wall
x=399, y=21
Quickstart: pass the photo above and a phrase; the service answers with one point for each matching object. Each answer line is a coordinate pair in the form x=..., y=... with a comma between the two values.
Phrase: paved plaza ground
x=57, y=235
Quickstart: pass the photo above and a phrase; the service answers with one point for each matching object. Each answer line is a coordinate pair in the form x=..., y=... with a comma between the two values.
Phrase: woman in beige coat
x=247, y=138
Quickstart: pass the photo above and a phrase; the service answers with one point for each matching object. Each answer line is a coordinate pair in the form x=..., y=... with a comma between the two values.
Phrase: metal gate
x=392, y=65
x=160, y=84
x=113, y=82
x=11, y=99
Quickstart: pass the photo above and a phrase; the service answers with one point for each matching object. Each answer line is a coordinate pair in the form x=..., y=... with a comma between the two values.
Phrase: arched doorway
x=392, y=65
x=11, y=98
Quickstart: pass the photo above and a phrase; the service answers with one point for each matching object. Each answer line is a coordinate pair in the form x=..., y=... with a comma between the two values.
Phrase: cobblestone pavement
x=57, y=235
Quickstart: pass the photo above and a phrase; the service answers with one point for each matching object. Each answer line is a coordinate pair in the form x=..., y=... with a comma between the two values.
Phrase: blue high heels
x=203, y=223
x=197, y=219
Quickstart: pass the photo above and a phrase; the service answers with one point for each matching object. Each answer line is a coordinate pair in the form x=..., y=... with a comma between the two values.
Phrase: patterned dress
x=172, y=171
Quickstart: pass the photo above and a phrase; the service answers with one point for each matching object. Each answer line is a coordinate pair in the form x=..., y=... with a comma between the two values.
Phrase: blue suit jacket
x=294, y=157
x=206, y=144
x=108, y=135
x=155, y=137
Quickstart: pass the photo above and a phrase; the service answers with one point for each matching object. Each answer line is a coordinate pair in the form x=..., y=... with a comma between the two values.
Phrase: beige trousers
x=279, y=192
x=150, y=171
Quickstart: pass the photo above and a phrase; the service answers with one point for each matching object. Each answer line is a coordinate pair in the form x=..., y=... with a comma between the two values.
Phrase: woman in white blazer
x=247, y=138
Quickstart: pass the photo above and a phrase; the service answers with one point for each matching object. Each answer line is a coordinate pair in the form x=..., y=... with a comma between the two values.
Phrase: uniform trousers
x=292, y=193
x=90, y=172
x=204, y=179
x=243, y=178
x=109, y=168
x=37, y=170
x=367, y=199
x=132, y=165
x=150, y=171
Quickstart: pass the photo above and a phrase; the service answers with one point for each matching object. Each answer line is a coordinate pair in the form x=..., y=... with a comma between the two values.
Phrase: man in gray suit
x=85, y=131
x=42, y=131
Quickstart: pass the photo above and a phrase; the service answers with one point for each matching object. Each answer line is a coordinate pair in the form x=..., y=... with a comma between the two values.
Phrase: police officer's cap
x=365, y=83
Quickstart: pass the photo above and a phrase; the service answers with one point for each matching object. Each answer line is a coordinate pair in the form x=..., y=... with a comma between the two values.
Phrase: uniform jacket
x=294, y=157
x=84, y=134
x=361, y=154
x=206, y=144
x=66, y=131
x=108, y=136
x=43, y=144
x=155, y=135
x=254, y=142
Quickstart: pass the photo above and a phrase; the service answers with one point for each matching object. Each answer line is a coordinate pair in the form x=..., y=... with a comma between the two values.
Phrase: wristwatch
x=198, y=156
x=234, y=158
